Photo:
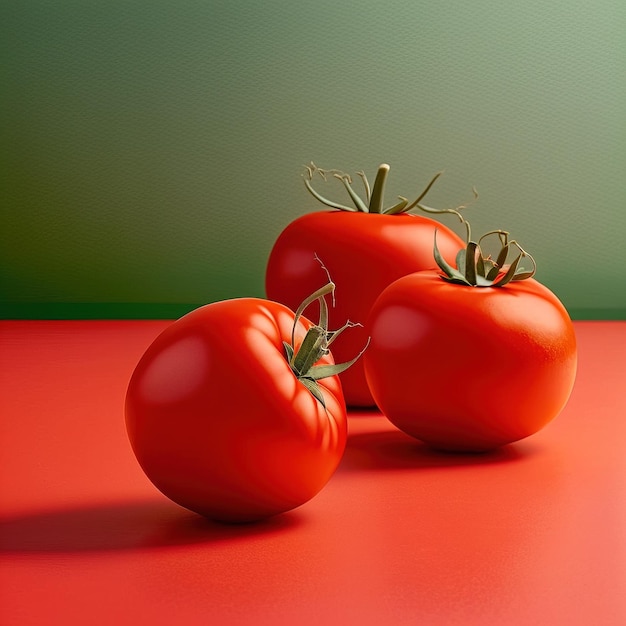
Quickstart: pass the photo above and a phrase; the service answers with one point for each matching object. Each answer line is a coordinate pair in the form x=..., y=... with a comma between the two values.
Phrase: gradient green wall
x=152, y=150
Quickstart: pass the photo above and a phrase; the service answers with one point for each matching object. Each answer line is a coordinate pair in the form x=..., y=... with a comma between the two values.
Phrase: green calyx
x=315, y=345
x=473, y=268
x=373, y=201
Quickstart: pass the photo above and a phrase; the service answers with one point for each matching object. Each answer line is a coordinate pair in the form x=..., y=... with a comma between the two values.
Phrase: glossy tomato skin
x=364, y=253
x=220, y=424
x=469, y=368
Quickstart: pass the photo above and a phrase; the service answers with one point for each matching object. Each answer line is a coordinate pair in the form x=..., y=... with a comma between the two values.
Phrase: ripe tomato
x=222, y=425
x=364, y=250
x=470, y=368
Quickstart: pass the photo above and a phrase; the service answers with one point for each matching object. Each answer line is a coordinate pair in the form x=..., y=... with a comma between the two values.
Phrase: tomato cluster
x=238, y=410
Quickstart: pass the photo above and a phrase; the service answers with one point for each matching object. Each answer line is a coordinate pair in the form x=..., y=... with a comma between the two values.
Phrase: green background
x=152, y=151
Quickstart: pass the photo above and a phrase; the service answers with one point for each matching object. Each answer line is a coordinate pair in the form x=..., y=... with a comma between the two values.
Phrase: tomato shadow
x=125, y=526
x=393, y=450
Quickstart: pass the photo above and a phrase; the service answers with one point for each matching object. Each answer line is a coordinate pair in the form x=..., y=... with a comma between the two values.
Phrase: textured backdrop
x=153, y=150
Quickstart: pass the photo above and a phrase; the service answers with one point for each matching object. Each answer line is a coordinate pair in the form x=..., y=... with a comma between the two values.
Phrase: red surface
x=532, y=534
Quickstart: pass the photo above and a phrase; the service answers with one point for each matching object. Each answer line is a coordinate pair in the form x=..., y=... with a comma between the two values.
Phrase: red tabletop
x=534, y=533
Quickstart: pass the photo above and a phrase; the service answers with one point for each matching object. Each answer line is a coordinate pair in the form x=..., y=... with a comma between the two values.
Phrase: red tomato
x=363, y=252
x=467, y=368
x=220, y=423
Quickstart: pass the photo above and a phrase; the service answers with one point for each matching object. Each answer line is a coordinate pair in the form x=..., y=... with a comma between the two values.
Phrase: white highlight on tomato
x=398, y=327
x=177, y=372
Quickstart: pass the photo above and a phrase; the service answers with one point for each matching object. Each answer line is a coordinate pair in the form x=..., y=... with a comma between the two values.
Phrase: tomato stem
x=317, y=295
x=376, y=200
x=315, y=345
x=473, y=269
x=374, y=196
